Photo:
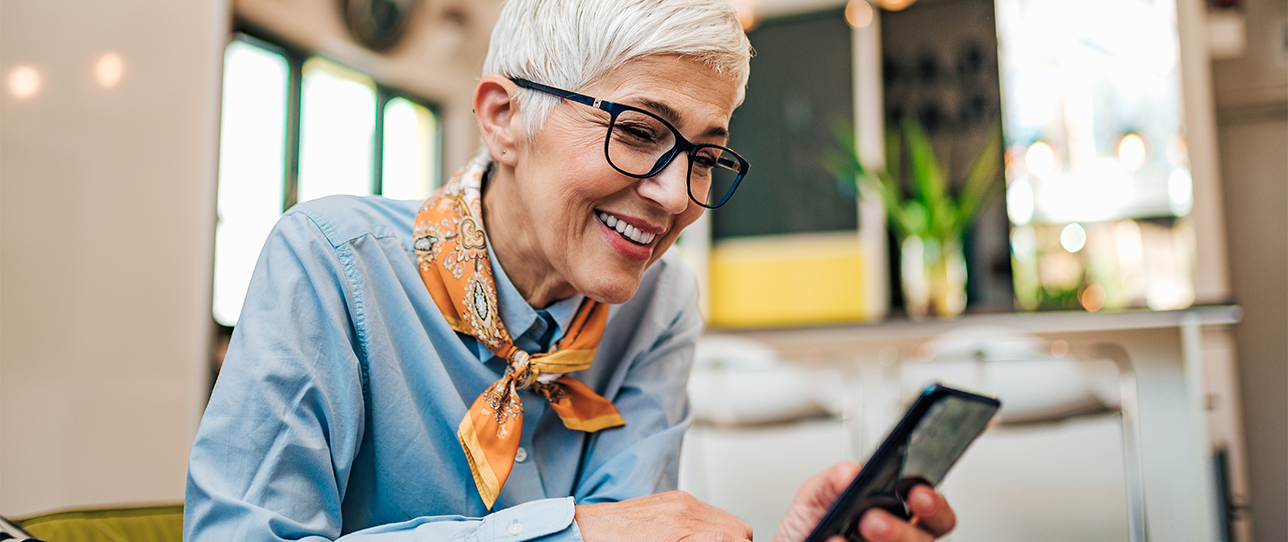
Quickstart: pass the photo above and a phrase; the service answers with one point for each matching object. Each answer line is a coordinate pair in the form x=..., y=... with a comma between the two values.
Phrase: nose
x=669, y=189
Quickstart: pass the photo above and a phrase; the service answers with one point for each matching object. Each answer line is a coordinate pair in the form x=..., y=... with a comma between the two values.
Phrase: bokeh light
x=858, y=13
x=1131, y=152
x=1024, y=244
x=894, y=5
x=1059, y=348
x=1073, y=238
x=1040, y=159
x=1019, y=202
x=747, y=16
x=24, y=82
x=1092, y=297
x=1180, y=191
x=109, y=69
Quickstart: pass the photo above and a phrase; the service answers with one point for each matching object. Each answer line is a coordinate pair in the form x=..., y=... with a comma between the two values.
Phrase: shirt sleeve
x=272, y=458
x=643, y=457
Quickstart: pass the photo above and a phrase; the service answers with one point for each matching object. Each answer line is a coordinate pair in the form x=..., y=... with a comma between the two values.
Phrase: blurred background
x=1138, y=194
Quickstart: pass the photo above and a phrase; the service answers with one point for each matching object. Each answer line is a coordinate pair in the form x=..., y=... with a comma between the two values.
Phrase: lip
x=626, y=248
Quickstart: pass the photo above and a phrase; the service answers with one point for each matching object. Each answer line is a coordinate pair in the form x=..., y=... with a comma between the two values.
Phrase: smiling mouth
x=627, y=231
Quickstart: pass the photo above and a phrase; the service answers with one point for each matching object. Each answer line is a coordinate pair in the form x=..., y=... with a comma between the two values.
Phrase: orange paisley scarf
x=451, y=252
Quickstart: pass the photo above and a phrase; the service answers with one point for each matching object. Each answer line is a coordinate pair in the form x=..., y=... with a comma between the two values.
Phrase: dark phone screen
x=920, y=450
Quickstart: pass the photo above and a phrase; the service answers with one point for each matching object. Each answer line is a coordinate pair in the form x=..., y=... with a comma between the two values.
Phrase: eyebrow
x=672, y=116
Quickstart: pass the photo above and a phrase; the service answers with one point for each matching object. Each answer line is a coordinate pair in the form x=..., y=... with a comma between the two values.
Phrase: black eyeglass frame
x=681, y=144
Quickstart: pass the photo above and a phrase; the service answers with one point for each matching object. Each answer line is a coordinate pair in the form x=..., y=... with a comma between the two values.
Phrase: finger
x=931, y=510
x=830, y=483
x=813, y=500
x=879, y=526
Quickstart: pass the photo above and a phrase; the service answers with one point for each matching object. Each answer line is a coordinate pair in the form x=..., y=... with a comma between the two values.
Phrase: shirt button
x=520, y=456
x=514, y=529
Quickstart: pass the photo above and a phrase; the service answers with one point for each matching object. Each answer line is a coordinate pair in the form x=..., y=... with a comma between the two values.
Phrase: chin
x=613, y=290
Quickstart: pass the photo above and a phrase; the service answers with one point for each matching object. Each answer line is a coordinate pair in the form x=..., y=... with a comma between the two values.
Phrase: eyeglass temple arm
x=567, y=95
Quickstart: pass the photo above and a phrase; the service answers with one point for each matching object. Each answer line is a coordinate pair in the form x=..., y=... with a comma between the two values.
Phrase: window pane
x=337, y=127
x=1098, y=177
x=251, y=144
x=409, y=166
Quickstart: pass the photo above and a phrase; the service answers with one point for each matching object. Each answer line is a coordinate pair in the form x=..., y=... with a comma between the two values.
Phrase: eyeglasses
x=640, y=144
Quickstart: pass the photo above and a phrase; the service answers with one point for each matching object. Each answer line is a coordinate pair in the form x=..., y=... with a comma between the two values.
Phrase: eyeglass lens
x=641, y=145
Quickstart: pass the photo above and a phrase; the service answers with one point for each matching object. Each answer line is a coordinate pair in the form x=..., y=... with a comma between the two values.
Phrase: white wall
x=1251, y=92
x=106, y=235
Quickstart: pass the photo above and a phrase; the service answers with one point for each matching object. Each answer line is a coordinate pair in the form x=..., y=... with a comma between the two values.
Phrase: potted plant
x=927, y=216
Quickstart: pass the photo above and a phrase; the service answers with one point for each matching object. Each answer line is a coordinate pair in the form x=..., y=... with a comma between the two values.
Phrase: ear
x=496, y=105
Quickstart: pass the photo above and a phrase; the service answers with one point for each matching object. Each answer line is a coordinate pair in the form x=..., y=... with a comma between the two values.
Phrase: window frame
x=295, y=58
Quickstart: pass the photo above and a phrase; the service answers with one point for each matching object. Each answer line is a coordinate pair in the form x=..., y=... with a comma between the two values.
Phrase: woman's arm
x=274, y=454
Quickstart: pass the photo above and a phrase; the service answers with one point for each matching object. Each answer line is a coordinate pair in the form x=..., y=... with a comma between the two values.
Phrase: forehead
x=672, y=86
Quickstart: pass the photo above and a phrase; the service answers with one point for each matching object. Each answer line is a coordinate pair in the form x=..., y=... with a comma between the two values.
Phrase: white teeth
x=626, y=230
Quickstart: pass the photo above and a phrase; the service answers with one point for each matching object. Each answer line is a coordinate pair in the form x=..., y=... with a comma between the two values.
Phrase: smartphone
x=933, y=433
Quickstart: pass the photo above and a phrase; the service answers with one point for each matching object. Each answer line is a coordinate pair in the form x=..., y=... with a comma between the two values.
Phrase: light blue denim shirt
x=336, y=410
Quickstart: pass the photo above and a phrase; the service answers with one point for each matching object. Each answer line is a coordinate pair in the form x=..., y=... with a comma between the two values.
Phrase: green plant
x=928, y=208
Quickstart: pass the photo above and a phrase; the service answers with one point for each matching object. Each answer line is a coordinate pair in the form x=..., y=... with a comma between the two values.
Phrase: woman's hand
x=932, y=517
x=674, y=515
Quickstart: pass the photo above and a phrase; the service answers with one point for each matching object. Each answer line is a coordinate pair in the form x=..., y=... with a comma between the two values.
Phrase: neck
x=516, y=248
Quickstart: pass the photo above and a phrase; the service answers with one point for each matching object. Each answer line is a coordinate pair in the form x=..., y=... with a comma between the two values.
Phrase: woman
x=405, y=370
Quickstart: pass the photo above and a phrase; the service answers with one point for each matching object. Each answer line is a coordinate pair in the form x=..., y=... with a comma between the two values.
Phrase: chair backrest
x=738, y=381
x=161, y=523
x=1020, y=369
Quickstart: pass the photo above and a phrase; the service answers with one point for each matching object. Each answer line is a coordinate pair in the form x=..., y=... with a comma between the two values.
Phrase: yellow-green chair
x=160, y=523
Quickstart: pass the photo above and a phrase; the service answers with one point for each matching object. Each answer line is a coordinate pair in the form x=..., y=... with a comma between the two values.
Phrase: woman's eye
x=704, y=161
x=636, y=132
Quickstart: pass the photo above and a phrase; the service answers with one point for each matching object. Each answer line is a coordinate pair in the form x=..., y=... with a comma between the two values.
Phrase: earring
x=502, y=152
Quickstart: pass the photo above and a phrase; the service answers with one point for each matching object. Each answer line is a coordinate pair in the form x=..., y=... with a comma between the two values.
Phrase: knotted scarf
x=451, y=252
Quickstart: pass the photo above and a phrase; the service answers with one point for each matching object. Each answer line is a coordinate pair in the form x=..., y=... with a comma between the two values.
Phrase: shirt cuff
x=545, y=520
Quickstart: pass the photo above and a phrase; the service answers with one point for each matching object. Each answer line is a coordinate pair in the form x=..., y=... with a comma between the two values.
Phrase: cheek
x=689, y=216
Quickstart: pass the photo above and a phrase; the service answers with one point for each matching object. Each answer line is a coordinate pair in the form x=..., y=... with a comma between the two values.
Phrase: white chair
x=1063, y=464
x=760, y=430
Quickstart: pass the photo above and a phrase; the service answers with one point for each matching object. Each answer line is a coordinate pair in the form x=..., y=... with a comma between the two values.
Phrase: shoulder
x=342, y=219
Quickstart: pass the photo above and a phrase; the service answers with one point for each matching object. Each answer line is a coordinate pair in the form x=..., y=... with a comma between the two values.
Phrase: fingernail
x=874, y=526
x=923, y=502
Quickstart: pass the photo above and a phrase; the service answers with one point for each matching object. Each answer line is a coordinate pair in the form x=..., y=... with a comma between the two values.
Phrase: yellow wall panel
x=787, y=281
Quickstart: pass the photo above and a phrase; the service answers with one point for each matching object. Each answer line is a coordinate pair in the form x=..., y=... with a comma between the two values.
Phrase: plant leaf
x=843, y=162
x=927, y=178
x=981, y=185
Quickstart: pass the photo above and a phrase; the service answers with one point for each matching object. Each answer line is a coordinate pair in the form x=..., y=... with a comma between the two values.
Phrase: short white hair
x=572, y=44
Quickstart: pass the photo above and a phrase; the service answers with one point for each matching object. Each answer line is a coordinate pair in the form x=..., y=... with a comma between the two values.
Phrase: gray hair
x=573, y=44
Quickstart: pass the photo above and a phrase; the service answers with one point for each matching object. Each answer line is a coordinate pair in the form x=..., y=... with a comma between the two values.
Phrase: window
x=297, y=127
x=1099, y=187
